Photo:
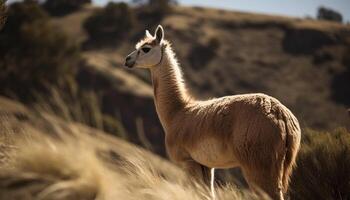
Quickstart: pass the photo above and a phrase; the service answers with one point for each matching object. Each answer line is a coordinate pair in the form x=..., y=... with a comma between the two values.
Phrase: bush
x=201, y=55
x=33, y=53
x=63, y=7
x=329, y=14
x=341, y=81
x=154, y=10
x=323, y=166
x=2, y=13
x=113, y=23
x=160, y=7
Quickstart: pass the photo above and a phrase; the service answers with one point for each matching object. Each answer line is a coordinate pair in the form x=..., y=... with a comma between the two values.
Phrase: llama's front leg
x=200, y=172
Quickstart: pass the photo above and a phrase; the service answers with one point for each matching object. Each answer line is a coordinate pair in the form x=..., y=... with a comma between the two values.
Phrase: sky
x=294, y=8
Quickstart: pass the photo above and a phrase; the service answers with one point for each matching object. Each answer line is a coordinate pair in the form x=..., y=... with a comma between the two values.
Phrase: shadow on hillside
x=341, y=82
x=306, y=41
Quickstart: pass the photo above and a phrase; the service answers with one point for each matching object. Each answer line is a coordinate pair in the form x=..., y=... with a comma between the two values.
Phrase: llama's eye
x=146, y=49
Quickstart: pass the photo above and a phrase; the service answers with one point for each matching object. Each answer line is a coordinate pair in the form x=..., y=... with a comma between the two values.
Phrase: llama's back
x=240, y=113
x=264, y=107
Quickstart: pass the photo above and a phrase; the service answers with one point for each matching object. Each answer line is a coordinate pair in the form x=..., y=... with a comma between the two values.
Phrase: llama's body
x=214, y=132
x=248, y=131
x=252, y=131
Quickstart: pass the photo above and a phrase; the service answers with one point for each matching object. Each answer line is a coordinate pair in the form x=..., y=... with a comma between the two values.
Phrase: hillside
x=302, y=62
x=76, y=124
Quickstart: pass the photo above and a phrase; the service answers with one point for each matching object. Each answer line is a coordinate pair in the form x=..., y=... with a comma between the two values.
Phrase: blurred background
x=68, y=55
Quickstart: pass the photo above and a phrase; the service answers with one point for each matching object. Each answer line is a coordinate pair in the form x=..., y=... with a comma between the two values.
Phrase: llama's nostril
x=128, y=62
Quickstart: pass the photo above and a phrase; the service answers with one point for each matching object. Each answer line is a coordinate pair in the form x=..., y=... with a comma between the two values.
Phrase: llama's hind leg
x=269, y=181
x=200, y=172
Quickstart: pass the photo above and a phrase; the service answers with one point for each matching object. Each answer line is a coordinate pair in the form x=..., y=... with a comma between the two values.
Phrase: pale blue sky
x=297, y=8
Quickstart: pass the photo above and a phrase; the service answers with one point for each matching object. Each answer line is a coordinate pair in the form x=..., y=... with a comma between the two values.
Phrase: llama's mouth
x=129, y=64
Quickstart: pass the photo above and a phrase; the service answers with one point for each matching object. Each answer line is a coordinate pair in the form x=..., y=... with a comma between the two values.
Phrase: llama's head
x=149, y=51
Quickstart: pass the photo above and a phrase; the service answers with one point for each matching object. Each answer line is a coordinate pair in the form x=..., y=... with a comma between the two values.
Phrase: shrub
x=113, y=23
x=2, y=13
x=33, y=54
x=329, y=14
x=201, y=55
x=341, y=81
x=63, y=7
x=160, y=7
x=154, y=10
x=323, y=166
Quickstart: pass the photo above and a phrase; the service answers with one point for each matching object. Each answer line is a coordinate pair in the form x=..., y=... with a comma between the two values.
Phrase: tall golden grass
x=70, y=167
x=48, y=157
x=53, y=155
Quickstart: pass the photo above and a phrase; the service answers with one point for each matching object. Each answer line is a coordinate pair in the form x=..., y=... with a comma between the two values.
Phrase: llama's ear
x=159, y=34
x=148, y=34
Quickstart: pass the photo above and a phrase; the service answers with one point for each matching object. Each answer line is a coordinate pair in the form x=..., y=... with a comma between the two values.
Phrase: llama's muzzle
x=129, y=62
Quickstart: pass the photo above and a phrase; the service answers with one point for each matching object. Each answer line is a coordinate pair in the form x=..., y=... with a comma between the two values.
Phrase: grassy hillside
x=55, y=146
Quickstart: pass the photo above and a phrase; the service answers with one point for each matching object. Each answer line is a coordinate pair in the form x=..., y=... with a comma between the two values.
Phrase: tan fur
x=252, y=131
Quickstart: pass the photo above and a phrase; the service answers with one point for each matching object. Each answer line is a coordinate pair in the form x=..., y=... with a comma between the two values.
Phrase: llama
x=252, y=131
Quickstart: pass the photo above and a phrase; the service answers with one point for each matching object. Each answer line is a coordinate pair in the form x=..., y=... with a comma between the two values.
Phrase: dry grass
x=75, y=105
x=70, y=166
x=45, y=157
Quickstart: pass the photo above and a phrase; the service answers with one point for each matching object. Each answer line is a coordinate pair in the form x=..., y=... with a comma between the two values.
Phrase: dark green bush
x=341, y=81
x=323, y=166
x=2, y=13
x=33, y=54
x=153, y=11
x=329, y=14
x=112, y=23
x=160, y=7
x=63, y=7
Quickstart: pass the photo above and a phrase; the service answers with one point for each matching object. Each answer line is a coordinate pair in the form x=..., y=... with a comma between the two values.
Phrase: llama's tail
x=212, y=181
x=293, y=135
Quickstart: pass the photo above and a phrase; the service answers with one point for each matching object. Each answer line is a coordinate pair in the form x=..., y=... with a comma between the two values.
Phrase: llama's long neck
x=170, y=94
